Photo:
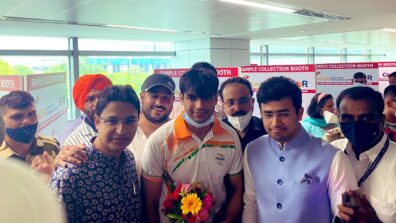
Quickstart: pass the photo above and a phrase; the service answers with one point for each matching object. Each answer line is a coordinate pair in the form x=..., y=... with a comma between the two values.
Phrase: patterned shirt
x=81, y=135
x=99, y=190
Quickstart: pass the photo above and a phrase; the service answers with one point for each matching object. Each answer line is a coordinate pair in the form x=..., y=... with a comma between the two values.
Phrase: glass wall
x=24, y=65
x=131, y=70
x=124, y=62
x=318, y=55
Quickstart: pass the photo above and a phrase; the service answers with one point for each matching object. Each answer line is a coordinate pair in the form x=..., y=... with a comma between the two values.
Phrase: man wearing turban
x=85, y=93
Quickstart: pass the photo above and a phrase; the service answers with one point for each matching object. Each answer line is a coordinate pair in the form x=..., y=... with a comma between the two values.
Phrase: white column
x=218, y=51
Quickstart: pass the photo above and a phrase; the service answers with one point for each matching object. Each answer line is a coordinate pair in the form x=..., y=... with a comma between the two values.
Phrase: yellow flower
x=191, y=203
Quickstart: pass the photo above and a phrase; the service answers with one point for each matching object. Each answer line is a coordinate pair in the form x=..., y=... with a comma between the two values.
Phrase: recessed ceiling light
x=260, y=5
x=390, y=30
x=82, y=23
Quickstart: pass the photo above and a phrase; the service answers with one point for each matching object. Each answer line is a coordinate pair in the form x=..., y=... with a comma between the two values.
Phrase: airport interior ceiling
x=361, y=23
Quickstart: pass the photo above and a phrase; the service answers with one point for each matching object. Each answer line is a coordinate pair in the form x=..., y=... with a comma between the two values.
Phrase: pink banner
x=11, y=82
x=278, y=68
x=346, y=66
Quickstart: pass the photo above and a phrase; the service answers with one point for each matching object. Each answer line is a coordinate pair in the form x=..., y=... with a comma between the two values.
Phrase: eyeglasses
x=240, y=101
x=115, y=122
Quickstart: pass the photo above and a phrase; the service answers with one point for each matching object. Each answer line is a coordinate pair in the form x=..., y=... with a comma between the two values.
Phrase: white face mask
x=330, y=118
x=240, y=122
x=358, y=84
x=196, y=124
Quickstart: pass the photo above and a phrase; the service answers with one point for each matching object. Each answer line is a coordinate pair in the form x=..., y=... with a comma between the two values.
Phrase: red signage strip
x=11, y=82
x=346, y=66
x=278, y=68
x=171, y=72
x=221, y=72
x=387, y=64
x=227, y=72
x=309, y=91
x=344, y=83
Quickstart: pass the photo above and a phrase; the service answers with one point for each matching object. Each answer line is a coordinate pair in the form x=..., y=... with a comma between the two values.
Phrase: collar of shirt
x=6, y=151
x=254, y=124
x=89, y=123
x=371, y=154
x=298, y=141
x=140, y=133
x=106, y=161
x=182, y=131
x=87, y=130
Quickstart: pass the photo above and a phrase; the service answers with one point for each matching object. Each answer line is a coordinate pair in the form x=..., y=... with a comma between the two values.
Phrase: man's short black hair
x=363, y=93
x=233, y=80
x=314, y=106
x=204, y=65
x=359, y=75
x=202, y=82
x=393, y=74
x=390, y=91
x=277, y=88
x=117, y=93
x=16, y=100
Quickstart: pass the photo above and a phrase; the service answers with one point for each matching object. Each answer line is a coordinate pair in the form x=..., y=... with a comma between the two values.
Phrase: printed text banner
x=384, y=69
x=49, y=92
x=334, y=78
x=304, y=75
x=222, y=73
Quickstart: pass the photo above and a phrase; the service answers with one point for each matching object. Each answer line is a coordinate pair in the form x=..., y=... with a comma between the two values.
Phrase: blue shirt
x=99, y=190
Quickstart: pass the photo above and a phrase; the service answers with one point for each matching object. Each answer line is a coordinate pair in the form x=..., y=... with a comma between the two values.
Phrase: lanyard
x=374, y=164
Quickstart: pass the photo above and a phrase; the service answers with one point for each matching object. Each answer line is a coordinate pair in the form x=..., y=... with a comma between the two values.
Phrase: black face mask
x=362, y=135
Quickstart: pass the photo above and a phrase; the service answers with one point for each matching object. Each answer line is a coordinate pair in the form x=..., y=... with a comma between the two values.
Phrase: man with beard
x=85, y=94
x=157, y=98
x=236, y=94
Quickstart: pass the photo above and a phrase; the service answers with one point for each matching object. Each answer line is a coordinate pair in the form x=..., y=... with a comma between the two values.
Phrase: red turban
x=85, y=84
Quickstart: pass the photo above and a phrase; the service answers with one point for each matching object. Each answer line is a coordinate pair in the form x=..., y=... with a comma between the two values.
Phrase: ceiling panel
x=202, y=18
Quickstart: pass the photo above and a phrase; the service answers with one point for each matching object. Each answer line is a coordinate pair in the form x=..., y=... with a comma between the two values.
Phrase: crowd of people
x=124, y=157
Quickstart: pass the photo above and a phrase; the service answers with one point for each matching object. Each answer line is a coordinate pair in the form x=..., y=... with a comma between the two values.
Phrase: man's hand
x=71, y=155
x=365, y=213
x=43, y=164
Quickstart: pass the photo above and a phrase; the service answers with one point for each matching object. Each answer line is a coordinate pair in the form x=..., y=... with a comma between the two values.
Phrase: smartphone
x=348, y=201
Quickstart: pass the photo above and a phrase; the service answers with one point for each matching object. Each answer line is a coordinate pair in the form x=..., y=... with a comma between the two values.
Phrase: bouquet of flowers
x=188, y=203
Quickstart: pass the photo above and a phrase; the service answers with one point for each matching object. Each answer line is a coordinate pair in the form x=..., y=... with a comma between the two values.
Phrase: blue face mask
x=23, y=134
x=196, y=124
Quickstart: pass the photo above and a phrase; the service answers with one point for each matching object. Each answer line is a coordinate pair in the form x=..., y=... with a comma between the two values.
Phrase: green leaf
x=173, y=216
